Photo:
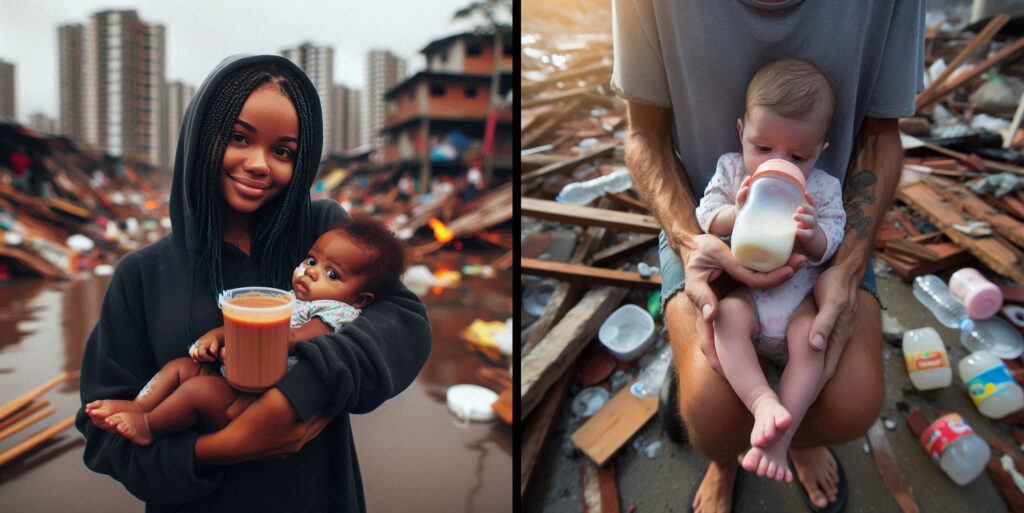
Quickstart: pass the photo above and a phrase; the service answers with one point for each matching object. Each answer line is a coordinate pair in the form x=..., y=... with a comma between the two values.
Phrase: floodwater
x=413, y=454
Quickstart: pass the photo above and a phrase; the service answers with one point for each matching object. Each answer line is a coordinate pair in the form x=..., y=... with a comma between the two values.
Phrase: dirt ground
x=661, y=480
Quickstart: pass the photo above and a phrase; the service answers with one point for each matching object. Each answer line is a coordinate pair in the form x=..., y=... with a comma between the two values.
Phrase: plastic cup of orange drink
x=256, y=336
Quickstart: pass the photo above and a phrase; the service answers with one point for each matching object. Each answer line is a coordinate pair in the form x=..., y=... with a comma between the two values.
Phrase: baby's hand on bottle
x=206, y=348
x=806, y=218
x=741, y=194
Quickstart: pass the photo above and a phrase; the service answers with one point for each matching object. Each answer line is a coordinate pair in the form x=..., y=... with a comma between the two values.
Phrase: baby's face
x=335, y=268
x=766, y=135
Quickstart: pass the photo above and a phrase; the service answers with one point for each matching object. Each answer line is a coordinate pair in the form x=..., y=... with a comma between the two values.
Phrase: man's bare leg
x=720, y=437
x=838, y=416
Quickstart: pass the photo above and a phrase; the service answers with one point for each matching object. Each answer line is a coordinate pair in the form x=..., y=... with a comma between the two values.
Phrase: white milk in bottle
x=927, y=361
x=764, y=231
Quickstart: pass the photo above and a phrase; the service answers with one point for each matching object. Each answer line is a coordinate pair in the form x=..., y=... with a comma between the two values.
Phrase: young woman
x=241, y=216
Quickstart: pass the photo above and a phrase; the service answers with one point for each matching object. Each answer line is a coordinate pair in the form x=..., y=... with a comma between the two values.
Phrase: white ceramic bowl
x=627, y=333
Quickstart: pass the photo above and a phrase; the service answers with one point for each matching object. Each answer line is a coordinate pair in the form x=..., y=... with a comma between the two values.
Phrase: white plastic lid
x=471, y=402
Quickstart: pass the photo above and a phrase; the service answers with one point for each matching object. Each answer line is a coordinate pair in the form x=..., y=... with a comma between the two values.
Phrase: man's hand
x=706, y=262
x=836, y=295
x=266, y=430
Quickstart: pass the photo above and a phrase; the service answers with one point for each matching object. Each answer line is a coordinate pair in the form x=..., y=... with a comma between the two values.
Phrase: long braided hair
x=276, y=246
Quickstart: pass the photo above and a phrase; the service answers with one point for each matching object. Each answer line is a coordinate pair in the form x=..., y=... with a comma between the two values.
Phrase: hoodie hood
x=184, y=231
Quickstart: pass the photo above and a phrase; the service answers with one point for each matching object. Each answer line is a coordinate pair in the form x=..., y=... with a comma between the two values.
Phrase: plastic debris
x=589, y=400
x=471, y=402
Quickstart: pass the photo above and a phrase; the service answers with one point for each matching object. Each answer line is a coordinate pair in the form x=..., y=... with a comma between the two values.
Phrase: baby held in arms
x=348, y=266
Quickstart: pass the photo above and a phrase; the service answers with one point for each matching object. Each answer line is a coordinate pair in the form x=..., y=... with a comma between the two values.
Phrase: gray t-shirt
x=698, y=57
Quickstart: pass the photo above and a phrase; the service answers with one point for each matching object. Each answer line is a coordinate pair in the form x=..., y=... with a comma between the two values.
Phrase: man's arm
x=871, y=180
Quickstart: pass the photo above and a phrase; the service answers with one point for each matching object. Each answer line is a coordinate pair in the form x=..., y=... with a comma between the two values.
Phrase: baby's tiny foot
x=770, y=420
x=132, y=426
x=767, y=463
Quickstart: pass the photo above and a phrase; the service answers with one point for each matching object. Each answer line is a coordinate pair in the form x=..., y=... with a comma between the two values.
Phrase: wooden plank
x=994, y=251
x=569, y=165
x=968, y=75
x=537, y=427
x=588, y=216
x=600, y=492
x=539, y=160
x=622, y=249
x=564, y=96
x=627, y=201
x=614, y=424
x=889, y=470
x=912, y=249
x=541, y=367
x=978, y=40
x=949, y=255
x=530, y=88
x=563, y=271
x=966, y=200
x=1004, y=484
x=530, y=138
x=1008, y=203
x=974, y=160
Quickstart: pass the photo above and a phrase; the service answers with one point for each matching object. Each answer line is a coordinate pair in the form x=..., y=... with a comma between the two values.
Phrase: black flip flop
x=735, y=488
x=842, y=490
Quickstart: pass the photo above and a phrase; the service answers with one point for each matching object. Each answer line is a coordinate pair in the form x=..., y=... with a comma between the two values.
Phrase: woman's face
x=260, y=156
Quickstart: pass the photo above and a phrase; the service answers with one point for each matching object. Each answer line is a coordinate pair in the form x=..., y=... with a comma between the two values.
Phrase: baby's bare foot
x=770, y=421
x=770, y=463
x=133, y=426
x=99, y=410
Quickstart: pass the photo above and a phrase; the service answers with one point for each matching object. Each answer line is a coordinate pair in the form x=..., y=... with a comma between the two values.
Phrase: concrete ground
x=662, y=482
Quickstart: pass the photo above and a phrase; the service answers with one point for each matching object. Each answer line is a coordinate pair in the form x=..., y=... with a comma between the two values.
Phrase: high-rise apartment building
x=7, y=96
x=44, y=124
x=178, y=96
x=318, y=63
x=384, y=70
x=345, y=119
x=112, y=85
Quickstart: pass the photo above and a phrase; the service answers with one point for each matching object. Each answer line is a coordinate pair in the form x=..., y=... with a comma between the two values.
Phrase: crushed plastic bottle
x=653, y=374
x=581, y=193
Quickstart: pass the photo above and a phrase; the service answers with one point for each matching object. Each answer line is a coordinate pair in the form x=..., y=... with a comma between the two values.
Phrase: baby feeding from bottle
x=772, y=202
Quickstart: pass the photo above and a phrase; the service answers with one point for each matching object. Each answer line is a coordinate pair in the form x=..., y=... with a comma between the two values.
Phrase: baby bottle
x=960, y=453
x=992, y=389
x=927, y=361
x=981, y=297
x=764, y=231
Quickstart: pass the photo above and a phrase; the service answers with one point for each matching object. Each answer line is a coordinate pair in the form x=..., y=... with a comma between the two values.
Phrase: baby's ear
x=363, y=299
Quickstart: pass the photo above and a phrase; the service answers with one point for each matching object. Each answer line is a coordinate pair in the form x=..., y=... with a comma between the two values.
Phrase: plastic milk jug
x=992, y=389
x=960, y=453
x=927, y=361
x=981, y=297
x=764, y=231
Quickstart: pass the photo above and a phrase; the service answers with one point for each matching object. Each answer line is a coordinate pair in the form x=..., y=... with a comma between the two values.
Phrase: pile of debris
x=65, y=209
x=959, y=203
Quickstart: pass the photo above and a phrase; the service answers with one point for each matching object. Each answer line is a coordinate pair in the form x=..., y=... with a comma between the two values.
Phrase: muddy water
x=414, y=455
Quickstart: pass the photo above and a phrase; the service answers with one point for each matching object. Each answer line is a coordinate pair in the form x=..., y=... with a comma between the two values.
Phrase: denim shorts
x=672, y=274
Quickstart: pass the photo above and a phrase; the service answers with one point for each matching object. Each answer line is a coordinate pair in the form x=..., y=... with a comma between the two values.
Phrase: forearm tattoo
x=857, y=195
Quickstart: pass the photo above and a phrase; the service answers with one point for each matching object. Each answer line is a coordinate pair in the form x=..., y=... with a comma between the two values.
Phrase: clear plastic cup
x=256, y=322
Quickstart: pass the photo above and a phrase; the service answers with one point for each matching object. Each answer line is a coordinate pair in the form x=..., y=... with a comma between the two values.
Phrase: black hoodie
x=157, y=305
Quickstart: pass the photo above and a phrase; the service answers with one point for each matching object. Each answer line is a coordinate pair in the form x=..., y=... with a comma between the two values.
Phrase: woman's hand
x=268, y=430
x=708, y=259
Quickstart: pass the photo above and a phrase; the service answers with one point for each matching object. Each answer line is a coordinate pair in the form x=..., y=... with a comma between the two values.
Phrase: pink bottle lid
x=981, y=297
x=782, y=167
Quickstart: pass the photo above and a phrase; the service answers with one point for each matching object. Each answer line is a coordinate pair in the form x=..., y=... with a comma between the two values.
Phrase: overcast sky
x=200, y=33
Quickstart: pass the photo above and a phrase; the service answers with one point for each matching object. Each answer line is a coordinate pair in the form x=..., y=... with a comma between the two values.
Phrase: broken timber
x=597, y=275
x=546, y=362
x=970, y=74
x=614, y=424
x=588, y=216
x=994, y=251
x=966, y=200
x=600, y=492
x=620, y=250
x=890, y=472
x=568, y=165
x=537, y=427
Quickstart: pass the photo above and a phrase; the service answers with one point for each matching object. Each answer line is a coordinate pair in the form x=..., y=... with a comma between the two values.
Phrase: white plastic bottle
x=933, y=293
x=581, y=193
x=652, y=376
x=764, y=231
x=927, y=361
x=990, y=384
x=960, y=453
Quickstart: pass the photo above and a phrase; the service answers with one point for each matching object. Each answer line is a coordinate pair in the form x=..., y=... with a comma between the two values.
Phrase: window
x=474, y=50
x=436, y=90
x=471, y=91
x=507, y=51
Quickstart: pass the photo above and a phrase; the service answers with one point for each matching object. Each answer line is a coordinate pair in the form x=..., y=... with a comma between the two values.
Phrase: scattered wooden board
x=614, y=424
x=966, y=200
x=622, y=249
x=889, y=470
x=537, y=427
x=570, y=164
x=588, y=216
x=994, y=251
x=600, y=492
x=1000, y=57
x=542, y=366
x=589, y=274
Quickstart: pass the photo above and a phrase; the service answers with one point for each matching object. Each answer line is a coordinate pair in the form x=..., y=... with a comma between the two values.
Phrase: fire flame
x=441, y=232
